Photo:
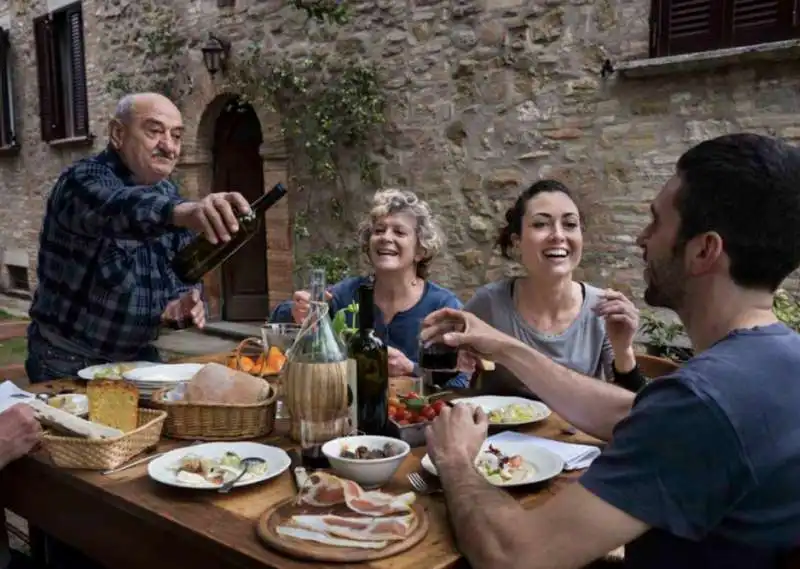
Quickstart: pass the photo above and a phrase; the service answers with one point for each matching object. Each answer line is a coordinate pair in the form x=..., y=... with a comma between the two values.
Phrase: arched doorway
x=238, y=167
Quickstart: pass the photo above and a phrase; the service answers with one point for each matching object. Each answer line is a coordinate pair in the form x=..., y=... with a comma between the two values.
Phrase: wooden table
x=128, y=521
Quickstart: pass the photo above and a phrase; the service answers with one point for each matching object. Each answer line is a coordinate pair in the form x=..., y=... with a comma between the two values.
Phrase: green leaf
x=339, y=323
x=416, y=404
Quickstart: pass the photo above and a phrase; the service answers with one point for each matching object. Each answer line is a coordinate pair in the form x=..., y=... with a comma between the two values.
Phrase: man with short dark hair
x=113, y=223
x=702, y=466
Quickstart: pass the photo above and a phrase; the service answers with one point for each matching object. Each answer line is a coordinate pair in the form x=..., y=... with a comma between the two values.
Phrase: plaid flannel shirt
x=104, y=258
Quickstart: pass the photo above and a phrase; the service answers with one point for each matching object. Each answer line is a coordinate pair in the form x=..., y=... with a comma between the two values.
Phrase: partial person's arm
x=93, y=201
x=282, y=314
x=19, y=432
x=656, y=473
x=180, y=239
x=592, y=406
x=631, y=378
x=461, y=381
x=492, y=529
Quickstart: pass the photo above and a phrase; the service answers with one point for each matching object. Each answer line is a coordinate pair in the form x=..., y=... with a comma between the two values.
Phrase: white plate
x=88, y=372
x=546, y=463
x=490, y=402
x=74, y=403
x=163, y=374
x=162, y=468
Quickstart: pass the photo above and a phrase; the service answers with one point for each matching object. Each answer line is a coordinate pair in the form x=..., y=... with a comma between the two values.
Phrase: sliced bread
x=114, y=403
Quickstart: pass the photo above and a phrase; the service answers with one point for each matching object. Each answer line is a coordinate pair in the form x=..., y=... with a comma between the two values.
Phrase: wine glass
x=438, y=363
x=277, y=338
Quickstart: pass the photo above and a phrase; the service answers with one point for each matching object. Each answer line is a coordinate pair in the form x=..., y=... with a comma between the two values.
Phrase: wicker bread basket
x=217, y=422
x=249, y=357
x=105, y=454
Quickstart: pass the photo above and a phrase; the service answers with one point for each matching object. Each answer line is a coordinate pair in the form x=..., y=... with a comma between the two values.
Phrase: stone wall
x=484, y=97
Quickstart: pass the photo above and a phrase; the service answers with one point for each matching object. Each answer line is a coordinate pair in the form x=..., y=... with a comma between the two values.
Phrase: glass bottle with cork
x=316, y=379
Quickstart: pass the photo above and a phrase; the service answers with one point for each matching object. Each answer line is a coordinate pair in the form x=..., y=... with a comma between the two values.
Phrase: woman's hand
x=467, y=362
x=622, y=323
x=399, y=364
x=301, y=300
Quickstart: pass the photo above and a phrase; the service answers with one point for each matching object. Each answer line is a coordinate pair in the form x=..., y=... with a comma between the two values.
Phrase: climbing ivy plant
x=334, y=11
x=154, y=54
x=329, y=107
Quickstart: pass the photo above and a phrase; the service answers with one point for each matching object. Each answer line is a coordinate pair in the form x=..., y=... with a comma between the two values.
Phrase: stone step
x=13, y=329
x=233, y=330
x=192, y=342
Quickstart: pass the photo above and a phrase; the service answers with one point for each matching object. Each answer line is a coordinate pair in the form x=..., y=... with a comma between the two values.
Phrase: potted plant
x=661, y=336
x=786, y=309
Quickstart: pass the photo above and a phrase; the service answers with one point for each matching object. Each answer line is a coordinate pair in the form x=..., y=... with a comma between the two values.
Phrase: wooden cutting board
x=281, y=512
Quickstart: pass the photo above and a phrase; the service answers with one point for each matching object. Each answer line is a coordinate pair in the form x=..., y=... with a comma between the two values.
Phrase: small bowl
x=368, y=473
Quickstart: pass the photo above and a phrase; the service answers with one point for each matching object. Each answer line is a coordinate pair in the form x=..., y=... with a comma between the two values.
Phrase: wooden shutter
x=759, y=21
x=6, y=118
x=51, y=116
x=80, y=106
x=685, y=26
x=690, y=26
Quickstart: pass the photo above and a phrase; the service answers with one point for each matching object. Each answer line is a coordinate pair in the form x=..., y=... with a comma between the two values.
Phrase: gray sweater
x=583, y=346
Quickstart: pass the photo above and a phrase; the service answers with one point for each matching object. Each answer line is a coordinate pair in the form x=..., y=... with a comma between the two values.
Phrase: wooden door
x=238, y=167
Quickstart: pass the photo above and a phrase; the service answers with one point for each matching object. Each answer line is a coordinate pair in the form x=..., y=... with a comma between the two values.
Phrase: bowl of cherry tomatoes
x=410, y=413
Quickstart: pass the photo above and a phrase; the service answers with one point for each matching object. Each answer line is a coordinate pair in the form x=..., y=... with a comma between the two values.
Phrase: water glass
x=279, y=336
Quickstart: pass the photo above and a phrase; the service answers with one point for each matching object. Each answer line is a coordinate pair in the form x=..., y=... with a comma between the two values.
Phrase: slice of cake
x=114, y=403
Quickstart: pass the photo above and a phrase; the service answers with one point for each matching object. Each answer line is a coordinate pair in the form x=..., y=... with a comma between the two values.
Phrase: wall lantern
x=215, y=54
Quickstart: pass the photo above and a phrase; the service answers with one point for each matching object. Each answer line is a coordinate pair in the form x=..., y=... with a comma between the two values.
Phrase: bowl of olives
x=370, y=460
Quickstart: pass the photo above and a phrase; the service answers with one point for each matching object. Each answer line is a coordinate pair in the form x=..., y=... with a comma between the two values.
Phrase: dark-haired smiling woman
x=576, y=324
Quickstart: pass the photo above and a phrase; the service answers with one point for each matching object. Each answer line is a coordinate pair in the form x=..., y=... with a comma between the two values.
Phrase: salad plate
x=112, y=371
x=508, y=411
x=512, y=463
x=208, y=466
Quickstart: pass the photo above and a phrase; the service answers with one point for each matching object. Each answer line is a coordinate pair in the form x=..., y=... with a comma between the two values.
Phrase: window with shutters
x=691, y=26
x=8, y=134
x=63, y=108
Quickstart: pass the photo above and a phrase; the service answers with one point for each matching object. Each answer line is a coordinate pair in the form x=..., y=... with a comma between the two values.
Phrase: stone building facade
x=484, y=96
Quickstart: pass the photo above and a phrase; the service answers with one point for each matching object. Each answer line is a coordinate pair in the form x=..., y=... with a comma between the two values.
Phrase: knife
x=299, y=473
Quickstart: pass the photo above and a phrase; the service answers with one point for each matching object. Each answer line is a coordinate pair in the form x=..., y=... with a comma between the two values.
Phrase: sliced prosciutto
x=376, y=503
x=327, y=490
x=324, y=538
x=322, y=489
x=361, y=528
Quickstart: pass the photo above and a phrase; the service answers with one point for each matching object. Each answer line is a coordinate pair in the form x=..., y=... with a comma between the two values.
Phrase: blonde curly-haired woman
x=400, y=238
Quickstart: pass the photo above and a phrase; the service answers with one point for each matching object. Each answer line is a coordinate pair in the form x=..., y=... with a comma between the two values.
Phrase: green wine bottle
x=372, y=367
x=201, y=255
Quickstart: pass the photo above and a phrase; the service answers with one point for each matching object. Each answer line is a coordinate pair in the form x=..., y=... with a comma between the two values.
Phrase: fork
x=419, y=484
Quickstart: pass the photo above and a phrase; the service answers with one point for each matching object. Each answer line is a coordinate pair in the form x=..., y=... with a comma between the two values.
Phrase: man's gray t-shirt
x=709, y=458
x=582, y=347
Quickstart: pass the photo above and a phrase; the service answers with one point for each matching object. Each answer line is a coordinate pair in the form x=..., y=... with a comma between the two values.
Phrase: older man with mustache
x=701, y=469
x=113, y=223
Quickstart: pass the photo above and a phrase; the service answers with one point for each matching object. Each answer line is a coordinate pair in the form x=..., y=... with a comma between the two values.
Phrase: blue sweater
x=402, y=332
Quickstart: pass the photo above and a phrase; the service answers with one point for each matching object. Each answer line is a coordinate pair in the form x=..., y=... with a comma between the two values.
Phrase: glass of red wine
x=438, y=364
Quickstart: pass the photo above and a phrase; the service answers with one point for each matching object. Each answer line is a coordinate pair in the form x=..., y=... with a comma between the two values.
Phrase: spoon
x=246, y=463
